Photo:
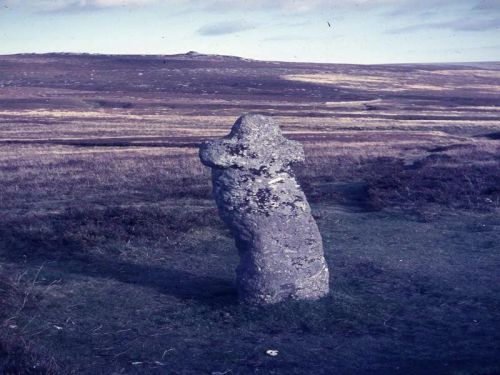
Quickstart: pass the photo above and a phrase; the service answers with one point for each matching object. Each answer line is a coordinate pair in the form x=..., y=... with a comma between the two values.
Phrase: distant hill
x=100, y=81
x=191, y=55
x=194, y=55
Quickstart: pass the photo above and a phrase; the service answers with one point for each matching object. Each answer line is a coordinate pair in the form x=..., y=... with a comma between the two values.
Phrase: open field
x=113, y=259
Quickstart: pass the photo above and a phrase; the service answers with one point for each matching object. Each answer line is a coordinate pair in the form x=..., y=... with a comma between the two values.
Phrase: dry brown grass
x=18, y=354
x=420, y=80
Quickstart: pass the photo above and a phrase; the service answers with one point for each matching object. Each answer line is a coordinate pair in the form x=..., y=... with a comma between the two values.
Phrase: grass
x=133, y=270
x=125, y=293
x=17, y=354
x=137, y=267
x=113, y=258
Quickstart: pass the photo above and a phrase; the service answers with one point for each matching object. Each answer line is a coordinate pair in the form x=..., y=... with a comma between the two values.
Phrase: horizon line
x=196, y=53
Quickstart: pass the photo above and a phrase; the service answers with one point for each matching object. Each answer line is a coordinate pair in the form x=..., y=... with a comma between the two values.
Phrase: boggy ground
x=113, y=259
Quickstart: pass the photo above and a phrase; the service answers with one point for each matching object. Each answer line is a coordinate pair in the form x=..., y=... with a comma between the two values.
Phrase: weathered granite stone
x=258, y=197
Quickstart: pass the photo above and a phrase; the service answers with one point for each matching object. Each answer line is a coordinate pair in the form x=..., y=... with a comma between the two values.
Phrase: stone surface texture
x=258, y=197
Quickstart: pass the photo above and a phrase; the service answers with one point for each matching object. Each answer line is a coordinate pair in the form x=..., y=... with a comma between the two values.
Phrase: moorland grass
x=113, y=258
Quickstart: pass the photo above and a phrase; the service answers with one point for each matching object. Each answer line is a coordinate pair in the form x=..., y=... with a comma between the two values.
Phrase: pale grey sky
x=343, y=31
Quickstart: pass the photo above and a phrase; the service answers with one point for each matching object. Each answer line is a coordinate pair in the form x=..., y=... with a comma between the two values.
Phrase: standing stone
x=258, y=197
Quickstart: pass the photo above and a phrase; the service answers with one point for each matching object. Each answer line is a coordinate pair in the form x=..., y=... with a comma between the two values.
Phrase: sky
x=331, y=31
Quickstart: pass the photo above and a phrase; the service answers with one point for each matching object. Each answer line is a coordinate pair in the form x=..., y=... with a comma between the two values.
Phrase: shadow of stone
x=175, y=282
x=66, y=256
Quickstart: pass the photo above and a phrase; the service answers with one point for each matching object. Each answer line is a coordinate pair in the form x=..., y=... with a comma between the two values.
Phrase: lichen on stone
x=258, y=197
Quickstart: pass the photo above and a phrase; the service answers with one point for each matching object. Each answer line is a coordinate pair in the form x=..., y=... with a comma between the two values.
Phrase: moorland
x=113, y=259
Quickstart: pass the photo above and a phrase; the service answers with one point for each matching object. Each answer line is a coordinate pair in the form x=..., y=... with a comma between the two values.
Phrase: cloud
x=74, y=5
x=224, y=28
x=495, y=47
x=393, y=7
x=294, y=38
x=487, y=5
x=473, y=24
x=288, y=6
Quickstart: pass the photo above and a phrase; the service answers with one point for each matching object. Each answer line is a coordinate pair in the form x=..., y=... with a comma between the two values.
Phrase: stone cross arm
x=255, y=141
